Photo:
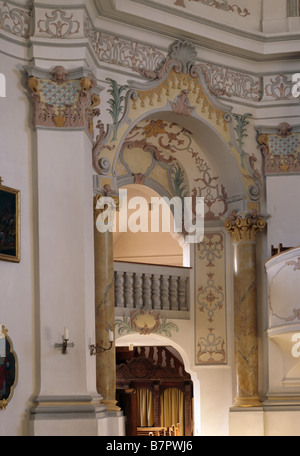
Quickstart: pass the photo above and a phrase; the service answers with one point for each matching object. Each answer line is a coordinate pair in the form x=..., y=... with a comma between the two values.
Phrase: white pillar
x=66, y=401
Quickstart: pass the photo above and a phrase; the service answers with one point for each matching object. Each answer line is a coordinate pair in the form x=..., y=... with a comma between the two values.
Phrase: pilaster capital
x=244, y=226
x=63, y=98
x=106, y=200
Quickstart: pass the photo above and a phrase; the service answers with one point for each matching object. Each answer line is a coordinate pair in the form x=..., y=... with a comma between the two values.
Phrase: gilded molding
x=62, y=102
x=244, y=227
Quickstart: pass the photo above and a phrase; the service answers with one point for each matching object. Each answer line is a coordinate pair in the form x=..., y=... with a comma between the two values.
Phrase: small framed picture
x=9, y=224
x=8, y=368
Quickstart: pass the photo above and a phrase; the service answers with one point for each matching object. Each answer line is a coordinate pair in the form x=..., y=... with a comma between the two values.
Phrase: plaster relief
x=281, y=149
x=211, y=345
x=223, y=6
x=60, y=101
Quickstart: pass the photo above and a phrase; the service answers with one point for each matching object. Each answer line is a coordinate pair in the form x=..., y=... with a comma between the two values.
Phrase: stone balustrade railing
x=160, y=288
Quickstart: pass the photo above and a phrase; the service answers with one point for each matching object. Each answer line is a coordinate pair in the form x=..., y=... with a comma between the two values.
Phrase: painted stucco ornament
x=145, y=322
x=63, y=99
x=179, y=84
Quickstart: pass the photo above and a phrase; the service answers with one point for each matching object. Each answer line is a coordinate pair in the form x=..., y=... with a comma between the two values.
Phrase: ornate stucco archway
x=180, y=92
x=178, y=103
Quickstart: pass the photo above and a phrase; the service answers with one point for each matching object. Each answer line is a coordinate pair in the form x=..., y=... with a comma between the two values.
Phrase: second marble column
x=104, y=312
x=244, y=229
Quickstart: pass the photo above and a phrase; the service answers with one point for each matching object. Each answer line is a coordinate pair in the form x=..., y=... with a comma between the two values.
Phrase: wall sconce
x=65, y=344
x=94, y=349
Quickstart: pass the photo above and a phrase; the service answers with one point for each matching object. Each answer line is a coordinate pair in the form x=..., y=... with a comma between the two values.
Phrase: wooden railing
x=159, y=431
x=158, y=288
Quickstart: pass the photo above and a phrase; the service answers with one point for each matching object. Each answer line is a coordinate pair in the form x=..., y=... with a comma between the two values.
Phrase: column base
x=110, y=405
x=246, y=402
x=57, y=416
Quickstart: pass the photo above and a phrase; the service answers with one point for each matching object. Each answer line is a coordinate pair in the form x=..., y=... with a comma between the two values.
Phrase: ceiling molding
x=202, y=31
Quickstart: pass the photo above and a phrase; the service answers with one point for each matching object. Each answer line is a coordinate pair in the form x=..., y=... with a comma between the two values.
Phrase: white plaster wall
x=17, y=281
x=56, y=270
x=283, y=205
x=66, y=257
x=275, y=16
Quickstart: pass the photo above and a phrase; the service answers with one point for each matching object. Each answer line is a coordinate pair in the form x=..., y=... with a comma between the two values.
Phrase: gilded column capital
x=106, y=200
x=63, y=98
x=245, y=226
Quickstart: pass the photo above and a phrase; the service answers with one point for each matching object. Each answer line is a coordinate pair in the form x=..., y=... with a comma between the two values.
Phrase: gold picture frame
x=8, y=368
x=9, y=223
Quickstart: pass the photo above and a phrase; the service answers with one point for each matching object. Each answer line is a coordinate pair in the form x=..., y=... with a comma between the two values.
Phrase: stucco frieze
x=52, y=26
x=15, y=20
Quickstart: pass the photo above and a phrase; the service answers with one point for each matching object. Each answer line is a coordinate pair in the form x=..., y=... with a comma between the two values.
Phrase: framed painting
x=8, y=368
x=9, y=224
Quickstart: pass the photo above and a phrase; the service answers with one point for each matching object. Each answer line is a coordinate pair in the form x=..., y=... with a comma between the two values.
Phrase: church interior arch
x=126, y=346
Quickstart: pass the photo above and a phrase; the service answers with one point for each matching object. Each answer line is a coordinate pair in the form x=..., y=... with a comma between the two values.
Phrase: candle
x=110, y=336
x=2, y=343
x=66, y=333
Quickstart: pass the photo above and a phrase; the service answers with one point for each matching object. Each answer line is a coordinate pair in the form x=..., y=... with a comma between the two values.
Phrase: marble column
x=244, y=228
x=104, y=306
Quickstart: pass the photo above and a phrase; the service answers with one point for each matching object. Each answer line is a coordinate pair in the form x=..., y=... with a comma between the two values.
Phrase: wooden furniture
x=279, y=249
x=159, y=431
x=157, y=369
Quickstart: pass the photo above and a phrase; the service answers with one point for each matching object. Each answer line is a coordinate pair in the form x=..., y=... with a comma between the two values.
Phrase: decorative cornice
x=53, y=25
x=63, y=21
x=244, y=227
x=181, y=58
x=15, y=20
x=220, y=5
x=58, y=24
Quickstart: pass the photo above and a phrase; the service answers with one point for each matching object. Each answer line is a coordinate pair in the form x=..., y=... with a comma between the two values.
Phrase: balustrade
x=154, y=287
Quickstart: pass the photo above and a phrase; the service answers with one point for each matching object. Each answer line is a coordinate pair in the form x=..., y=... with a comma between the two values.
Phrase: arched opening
x=146, y=238
x=199, y=137
x=177, y=397
x=212, y=172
